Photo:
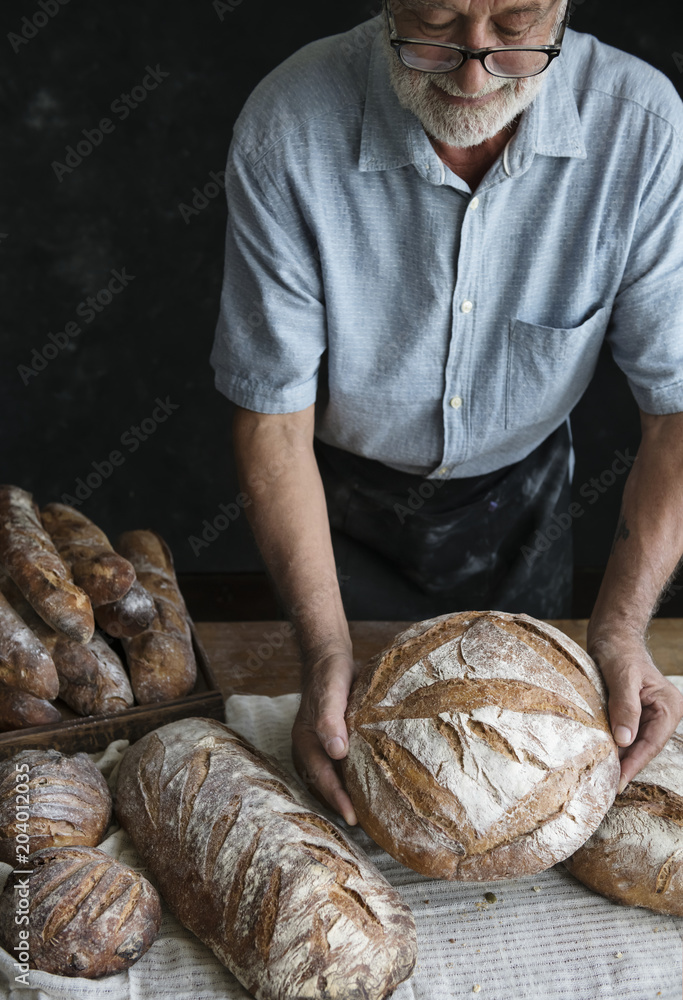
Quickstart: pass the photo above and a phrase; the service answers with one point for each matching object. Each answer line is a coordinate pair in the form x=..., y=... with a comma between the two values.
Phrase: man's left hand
x=644, y=707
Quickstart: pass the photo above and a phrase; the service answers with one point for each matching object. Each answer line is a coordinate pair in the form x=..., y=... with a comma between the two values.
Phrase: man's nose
x=471, y=77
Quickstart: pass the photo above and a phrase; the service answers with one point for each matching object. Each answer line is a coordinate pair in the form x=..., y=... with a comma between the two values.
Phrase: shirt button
x=467, y=306
x=456, y=402
x=474, y=204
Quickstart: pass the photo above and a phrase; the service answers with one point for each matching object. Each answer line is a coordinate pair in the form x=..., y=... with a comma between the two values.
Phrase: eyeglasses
x=509, y=61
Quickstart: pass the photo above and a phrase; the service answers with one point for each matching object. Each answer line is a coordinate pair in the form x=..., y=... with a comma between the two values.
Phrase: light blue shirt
x=442, y=333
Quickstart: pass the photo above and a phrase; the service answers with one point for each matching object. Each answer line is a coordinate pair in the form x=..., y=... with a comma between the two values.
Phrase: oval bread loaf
x=25, y=663
x=479, y=747
x=68, y=801
x=277, y=892
x=21, y=710
x=103, y=574
x=128, y=616
x=635, y=856
x=31, y=560
x=161, y=659
x=89, y=915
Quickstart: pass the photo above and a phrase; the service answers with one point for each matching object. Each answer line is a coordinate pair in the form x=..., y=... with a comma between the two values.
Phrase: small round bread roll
x=88, y=915
x=479, y=747
x=61, y=800
x=636, y=854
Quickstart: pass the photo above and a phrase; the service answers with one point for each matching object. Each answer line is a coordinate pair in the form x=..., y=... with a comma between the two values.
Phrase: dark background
x=120, y=209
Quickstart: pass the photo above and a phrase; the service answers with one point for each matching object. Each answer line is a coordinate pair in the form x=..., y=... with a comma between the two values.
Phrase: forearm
x=288, y=514
x=649, y=537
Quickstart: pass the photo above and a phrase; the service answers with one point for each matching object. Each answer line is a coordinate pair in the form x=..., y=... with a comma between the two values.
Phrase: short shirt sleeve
x=646, y=331
x=271, y=330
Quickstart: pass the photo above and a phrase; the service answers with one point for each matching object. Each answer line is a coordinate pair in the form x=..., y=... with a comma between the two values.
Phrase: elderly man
x=435, y=219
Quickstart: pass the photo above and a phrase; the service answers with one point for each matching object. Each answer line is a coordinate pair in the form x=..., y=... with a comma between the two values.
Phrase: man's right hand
x=319, y=735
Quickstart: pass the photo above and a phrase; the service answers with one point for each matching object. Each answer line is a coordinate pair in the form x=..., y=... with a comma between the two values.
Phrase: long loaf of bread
x=90, y=678
x=129, y=616
x=282, y=898
x=161, y=660
x=30, y=558
x=25, y=663
x=19, y=710
x=103, y=574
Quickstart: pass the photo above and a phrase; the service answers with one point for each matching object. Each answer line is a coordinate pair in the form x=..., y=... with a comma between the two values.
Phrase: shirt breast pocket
x=549, y=368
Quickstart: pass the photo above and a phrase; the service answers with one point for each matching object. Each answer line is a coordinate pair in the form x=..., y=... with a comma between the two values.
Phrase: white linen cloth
x=544, y=938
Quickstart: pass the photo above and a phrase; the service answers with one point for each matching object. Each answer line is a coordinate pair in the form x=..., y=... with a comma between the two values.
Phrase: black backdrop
x=117, y=225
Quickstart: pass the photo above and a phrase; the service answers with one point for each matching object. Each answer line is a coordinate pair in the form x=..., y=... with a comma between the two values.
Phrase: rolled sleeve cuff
x=659, y=401
x=263, y=398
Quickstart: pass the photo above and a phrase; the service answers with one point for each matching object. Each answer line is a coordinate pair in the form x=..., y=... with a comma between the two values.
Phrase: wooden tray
x=94, y=732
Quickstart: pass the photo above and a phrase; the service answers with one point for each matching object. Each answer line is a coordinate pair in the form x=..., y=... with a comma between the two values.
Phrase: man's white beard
x=459, y=126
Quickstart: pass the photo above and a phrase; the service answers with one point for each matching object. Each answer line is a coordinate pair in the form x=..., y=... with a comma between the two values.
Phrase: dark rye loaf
x=69, y=802
x=282, y=898
x=479, y=747
x=89, y=915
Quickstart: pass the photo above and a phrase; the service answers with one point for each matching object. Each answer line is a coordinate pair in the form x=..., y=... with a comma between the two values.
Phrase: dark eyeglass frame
x=397, y=42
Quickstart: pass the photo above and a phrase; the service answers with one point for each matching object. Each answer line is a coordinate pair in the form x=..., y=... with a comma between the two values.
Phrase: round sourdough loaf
x=479, y=747
x=636, y=854
x=89, y=915
x=66, y=798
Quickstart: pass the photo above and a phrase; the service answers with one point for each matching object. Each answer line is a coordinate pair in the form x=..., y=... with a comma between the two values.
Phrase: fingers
x=661, y=714
x=318, y=772
x=319, y=735
x=625, y=709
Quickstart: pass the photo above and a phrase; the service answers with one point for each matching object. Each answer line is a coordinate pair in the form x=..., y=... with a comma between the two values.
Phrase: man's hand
x=319, y=735
x=644, y=707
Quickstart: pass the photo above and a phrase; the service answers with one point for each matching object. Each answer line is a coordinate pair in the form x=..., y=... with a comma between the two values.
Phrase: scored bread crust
x=479, y=747
x=282, y=898
x=89, y=915
x=32, y=561
x=69, y=801
x=91, y=678
x=25, y=663
x=161, y=659
x=635, y=856
x=129, y=616
x=103, y=574
x=21, y=710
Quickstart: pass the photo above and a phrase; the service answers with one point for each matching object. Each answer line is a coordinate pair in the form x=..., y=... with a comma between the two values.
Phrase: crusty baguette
x=282, y=898
x=128, y=616
x=91, y=678
x=103, y=574
x=161, y=660
x=30, y=558
x=25, y=663
x=68, y=802
x=89, y=915
x=20, y=710
x=479, y=747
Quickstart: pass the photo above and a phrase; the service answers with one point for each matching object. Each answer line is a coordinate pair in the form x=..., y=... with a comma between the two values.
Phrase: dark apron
x=409, y=548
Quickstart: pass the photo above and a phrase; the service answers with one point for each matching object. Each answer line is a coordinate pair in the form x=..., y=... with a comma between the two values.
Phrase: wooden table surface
x=261, y=657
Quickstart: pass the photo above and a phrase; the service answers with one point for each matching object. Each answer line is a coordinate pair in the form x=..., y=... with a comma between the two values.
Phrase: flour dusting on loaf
x=479, y=747
x=283, y=899
x=635, y=856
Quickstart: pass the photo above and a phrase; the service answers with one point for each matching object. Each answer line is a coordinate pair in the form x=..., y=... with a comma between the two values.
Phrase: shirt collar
x=393, y=137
